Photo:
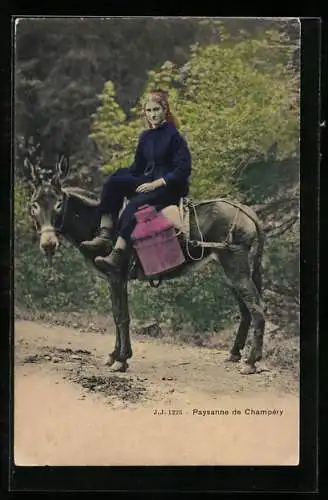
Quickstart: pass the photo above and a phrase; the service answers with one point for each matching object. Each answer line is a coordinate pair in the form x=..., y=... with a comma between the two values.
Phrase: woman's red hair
x=162, y=97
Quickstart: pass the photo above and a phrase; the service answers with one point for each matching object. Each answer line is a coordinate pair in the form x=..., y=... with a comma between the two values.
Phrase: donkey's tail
x=257, y=261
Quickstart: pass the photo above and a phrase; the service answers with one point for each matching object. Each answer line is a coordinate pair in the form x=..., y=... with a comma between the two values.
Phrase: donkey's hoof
x=119, y=366
x=109, y=360
x=233, y=358
x=248, y=370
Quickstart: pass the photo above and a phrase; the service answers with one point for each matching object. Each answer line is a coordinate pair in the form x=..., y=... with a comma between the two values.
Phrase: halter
x=57, y=229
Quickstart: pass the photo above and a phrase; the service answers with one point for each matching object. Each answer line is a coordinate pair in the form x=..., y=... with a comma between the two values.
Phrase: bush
x=200, y=301
x=70, y=284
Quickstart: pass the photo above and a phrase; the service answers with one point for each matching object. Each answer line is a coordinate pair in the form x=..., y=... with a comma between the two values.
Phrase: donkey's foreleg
x=123, y=350
x=124, y=327
x=114, y=355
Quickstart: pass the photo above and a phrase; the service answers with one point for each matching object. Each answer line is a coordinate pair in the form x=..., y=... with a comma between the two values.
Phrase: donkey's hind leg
x=243, y=329
x=253, y=303
x=237, y=269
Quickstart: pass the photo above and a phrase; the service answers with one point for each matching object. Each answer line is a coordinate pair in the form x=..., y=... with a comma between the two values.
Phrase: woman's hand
x=150, y=186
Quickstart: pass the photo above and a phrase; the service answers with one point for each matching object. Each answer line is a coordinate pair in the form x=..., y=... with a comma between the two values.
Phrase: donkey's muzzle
x=49, y=249
x=48, y=241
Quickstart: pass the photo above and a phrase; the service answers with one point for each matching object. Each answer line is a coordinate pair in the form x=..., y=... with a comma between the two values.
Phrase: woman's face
x=154, y=113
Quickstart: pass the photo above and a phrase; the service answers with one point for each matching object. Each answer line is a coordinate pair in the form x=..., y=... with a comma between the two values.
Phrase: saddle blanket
x=177, y=214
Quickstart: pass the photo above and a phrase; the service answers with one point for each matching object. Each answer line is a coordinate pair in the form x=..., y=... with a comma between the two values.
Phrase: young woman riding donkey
x=158, y=177
x=224, y=230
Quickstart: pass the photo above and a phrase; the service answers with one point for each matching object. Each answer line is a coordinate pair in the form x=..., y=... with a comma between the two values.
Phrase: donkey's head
x=48, y=202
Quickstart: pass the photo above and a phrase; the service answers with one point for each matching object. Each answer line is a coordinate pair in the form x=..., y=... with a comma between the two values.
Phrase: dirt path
x=70, y=410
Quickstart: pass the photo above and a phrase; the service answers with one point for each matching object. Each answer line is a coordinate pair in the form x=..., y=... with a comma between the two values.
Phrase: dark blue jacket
x=163, y=152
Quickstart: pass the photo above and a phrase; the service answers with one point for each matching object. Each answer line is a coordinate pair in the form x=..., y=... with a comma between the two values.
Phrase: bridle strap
x=60, y=228
x=47, y=229
x=56, y=229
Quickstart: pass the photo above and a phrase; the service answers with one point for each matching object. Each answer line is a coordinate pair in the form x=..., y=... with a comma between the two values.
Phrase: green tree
x=61, y=66
x=237, y=101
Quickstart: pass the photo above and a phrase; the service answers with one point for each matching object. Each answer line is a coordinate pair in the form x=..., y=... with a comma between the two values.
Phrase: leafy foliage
x=236, y=95
x=200, y=302
x=61, y=66
x=236, y=103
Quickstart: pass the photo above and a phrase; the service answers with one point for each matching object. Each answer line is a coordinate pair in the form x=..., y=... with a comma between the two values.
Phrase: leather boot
x=112, y=263
x=101, y=244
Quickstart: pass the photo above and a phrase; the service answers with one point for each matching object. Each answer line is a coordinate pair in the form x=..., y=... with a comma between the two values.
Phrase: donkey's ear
x=33, y=172
x=62, y=167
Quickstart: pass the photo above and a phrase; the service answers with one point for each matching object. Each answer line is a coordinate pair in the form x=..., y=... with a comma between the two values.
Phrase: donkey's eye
x=35, y=209
x=58, y=206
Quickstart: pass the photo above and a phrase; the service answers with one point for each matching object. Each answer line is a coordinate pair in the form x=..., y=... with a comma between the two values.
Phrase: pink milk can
x=155, y=242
